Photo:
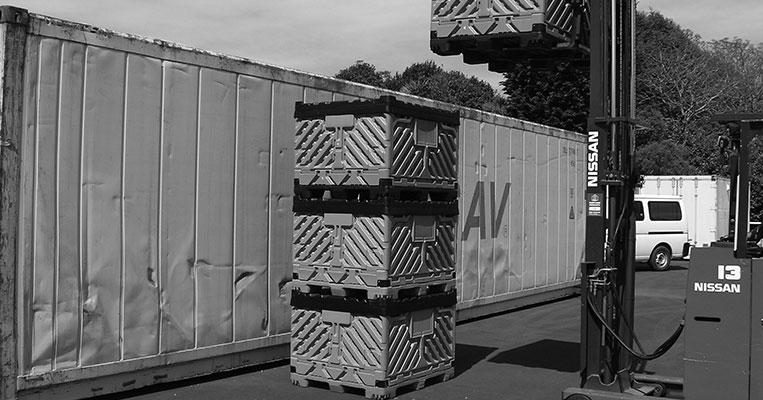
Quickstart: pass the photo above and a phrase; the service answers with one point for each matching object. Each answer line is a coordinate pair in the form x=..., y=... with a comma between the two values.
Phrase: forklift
x=723, y=322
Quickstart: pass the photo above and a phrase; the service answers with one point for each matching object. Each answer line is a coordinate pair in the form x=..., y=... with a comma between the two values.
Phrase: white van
x=662, y=230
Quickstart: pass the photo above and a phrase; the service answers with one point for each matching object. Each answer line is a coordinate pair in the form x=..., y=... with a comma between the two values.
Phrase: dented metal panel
x=177, y=211
x=68, y=310
x=149, y=183
x=214, y=208
x=516, y=236
x=472, y=200
x=501, y=192
x=44, y=211
x=140, y=191
x=543, y=218
x=251, y=237
x=281, y=202
x=101, y=206
x=156, y=198
x=486, y=267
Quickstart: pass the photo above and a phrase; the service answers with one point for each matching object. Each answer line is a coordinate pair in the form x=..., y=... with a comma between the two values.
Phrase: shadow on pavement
x=161, y=387
x=467, y=355
x=547, y=354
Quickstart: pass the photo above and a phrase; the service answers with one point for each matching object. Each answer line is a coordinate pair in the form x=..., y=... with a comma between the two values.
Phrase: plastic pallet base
x=374, y=207
x=502, y=54
x=372, y=392
x=386, y=190
x=344, y=177
x=384, y=199
x=433, y=284
x=379, y=307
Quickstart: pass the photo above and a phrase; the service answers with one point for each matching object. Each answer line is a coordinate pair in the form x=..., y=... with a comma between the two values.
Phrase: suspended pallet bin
x=376, y=347
x=503, y=33
x=376, y=142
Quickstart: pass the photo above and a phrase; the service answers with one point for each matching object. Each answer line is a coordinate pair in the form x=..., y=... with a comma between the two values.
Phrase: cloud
x=323, y=36
x=713, y=19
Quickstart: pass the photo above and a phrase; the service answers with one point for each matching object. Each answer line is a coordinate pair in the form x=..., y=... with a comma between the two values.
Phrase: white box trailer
x=145, y=216
x=705, y=198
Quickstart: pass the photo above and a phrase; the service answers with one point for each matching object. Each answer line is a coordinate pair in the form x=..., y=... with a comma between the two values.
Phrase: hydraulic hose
x=618, y=305
x=659, y=352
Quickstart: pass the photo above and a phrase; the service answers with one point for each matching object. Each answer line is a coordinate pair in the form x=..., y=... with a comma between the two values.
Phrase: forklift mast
x=723, y=352
x=601, y=32
x=598, y=35
x=604, y=33
x=608, y=272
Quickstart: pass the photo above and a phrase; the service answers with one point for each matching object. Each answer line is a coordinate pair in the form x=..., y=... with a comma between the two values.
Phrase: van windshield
x=664, y=211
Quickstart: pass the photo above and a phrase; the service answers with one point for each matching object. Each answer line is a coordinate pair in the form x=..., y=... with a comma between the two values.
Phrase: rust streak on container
x=13, y=23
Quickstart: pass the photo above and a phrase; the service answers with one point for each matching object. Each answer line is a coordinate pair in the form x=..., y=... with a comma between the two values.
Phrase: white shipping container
x=522, y=223
x=706, y=202
x=146, y=231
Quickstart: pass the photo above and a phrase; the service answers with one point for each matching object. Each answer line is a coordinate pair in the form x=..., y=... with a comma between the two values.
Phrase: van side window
x=664, y=211
x=638, y=210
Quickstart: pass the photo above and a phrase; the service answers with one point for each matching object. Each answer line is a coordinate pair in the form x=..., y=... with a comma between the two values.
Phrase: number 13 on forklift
x=725, y=273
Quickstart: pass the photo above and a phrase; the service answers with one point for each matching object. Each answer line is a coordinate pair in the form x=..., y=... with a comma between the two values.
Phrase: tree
x=678, y=80
x=365, y=73
x=556, y=97
x=680, y=83
x=427, y=79
x=415, y=75
x=663, y=158
x=745, y=64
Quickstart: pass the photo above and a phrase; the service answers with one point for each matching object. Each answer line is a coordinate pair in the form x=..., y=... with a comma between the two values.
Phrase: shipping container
x=146, y=214
x=706, y=202
x=521, y=221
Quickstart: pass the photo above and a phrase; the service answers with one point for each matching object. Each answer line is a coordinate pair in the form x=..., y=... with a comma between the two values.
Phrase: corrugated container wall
x=155, y=210
x=706, y=201
x=522, y=223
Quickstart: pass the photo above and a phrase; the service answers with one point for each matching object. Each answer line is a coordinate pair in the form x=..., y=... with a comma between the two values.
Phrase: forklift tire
x=660, y=258
x=578, y=396
x=660, y=390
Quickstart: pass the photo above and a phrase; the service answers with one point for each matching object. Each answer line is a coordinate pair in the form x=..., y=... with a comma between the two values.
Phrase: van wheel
x=660, y=259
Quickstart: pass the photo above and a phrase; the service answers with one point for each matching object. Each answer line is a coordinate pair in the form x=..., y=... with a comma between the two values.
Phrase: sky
x=324, y=36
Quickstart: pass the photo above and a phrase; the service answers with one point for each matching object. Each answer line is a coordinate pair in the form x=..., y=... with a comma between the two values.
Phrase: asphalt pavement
x=531, y=353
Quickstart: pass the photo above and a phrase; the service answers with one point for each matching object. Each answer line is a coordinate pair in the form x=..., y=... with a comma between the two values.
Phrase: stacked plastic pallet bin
x=376, y=204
